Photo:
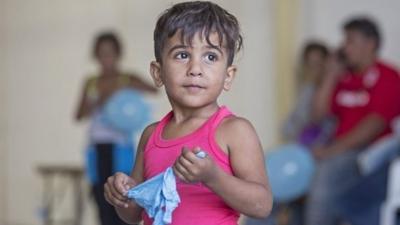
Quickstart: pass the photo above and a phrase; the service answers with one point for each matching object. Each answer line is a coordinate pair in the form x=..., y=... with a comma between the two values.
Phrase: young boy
x=195, y=44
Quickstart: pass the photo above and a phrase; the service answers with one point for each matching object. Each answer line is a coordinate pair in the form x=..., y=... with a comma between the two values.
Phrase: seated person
x=299, y=127
x=358, y=91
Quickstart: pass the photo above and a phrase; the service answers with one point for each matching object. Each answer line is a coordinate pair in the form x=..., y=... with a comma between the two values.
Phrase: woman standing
x=103, y=138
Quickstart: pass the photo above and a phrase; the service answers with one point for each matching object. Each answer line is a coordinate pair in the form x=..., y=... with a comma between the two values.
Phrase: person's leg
x=297, y=212
x=107, y=213
x=102, y=208
x=333, y=177
x=361, y=204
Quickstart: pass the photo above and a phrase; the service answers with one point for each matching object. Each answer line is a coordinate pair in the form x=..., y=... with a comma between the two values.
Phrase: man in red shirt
x=363, y=94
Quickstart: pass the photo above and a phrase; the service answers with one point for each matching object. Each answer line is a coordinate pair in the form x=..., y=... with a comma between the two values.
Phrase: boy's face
x=194, y=75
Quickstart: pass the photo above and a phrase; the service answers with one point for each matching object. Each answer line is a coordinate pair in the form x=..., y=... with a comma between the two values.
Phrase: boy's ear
x=230, y=76
x=155, y=72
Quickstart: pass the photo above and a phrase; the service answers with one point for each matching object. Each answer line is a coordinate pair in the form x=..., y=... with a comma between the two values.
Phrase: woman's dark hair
x=107, y=37
x=189, y=18
x=315, y=46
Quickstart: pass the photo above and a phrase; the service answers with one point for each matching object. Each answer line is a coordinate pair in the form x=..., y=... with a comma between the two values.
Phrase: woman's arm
x=322, y=99
x=85, y=108
x=323, y=96
x=137, y=83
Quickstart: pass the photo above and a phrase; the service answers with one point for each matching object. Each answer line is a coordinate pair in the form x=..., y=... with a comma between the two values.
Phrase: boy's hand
x=190, y=168
x=115, y=189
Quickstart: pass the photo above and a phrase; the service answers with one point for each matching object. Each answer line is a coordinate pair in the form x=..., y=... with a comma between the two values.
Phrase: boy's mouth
x=193, y=87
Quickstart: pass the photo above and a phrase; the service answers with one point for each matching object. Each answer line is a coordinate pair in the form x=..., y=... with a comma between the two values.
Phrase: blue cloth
x=158, y=195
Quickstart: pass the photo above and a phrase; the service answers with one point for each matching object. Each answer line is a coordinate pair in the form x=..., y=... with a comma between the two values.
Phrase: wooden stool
x=74, y=176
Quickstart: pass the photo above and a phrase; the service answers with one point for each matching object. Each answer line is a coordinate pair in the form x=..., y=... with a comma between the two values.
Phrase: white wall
x=324, y=19
x=3, y=134
x=47, y=55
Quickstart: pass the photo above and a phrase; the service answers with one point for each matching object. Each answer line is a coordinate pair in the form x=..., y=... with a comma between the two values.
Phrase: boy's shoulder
x=150, y=129
x=235, y=132
x=147, y=132
x=234, y=125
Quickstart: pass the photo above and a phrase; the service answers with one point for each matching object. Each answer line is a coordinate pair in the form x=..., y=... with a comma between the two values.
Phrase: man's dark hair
x=189, y=18
x=107, y=37
x=366, y=27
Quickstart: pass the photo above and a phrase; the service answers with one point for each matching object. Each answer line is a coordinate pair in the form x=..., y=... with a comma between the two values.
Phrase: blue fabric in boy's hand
x=158, y=195
x=201, y=154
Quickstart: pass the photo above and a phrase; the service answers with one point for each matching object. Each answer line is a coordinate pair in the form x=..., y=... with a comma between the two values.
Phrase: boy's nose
x=195, y=73
x=195, y=69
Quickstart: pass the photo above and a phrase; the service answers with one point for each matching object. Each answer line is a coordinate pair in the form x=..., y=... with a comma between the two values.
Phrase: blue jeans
x=334, y=177
x=361, y=205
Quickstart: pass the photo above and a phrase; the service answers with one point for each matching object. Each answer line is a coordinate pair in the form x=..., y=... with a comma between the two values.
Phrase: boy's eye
x=182, y=55
x=211, y=57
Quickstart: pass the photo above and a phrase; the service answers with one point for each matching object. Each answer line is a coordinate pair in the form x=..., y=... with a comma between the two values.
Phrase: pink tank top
x=199, y=205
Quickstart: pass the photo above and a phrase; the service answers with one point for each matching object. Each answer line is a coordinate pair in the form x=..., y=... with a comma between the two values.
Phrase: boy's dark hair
x=366, y=27
x=107, y=37
x=192, y=17
x=315, y=46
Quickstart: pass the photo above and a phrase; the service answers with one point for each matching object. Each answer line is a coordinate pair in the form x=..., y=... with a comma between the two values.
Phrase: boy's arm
x=132, y=214
x=248, y=190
